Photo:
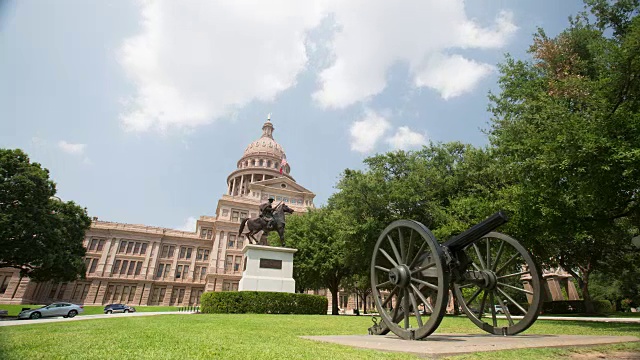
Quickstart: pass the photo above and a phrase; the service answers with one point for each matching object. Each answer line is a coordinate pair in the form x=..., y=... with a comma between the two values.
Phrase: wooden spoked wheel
x=502, y=292
x=408, y=279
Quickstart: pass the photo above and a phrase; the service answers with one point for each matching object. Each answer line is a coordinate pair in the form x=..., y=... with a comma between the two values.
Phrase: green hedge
x=260, y=302
x=575, y=307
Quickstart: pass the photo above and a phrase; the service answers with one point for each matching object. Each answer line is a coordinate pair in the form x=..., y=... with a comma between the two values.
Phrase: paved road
x=85, y=317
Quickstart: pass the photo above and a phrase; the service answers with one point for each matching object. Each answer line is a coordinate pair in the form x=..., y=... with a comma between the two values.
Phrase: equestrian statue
x=271, y=218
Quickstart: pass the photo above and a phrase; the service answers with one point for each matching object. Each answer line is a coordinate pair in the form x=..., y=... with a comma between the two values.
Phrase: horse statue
x=257, y=224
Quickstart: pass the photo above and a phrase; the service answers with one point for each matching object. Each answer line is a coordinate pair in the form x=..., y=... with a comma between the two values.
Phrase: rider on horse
x=266, y=213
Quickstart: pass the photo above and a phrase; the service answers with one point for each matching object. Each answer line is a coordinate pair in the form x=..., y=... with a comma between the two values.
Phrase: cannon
x=493, y=278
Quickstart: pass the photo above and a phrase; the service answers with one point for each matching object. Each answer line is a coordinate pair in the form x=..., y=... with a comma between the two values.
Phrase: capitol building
x=146, y=265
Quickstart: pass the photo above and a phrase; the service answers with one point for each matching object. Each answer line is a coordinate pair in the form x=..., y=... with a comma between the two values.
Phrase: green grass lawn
x=249, y=336
x=14, y=310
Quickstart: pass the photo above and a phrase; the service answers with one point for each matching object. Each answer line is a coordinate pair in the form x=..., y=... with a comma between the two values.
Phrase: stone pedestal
x=267, y=268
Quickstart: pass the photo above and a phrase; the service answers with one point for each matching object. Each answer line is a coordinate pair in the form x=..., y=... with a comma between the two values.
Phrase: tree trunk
x=334, y=300
x=583, y=283
x=588, y=305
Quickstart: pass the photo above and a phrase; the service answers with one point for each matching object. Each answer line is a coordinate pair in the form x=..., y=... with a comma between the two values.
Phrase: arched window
x=269, y=163
x=261, y=162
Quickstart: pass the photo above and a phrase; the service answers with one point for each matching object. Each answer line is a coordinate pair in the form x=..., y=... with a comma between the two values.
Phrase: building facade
x=145, y=265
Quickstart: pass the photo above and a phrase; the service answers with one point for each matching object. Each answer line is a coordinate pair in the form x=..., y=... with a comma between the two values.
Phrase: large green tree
x=567, y=127
x=448, y=187
x=39, y=234
x=320, y=262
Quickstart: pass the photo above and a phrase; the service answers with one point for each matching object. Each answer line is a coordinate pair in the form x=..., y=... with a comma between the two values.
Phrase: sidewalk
x=87, y=317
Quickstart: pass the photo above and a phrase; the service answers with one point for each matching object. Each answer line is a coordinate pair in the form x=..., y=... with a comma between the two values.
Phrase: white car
x=55, y=309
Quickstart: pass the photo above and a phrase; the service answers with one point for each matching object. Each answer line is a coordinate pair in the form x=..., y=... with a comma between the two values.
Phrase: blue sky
x=140, y=110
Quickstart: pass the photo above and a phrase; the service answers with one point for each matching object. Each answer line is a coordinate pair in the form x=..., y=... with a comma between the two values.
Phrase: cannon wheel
x=407, y=270
x=510, y=266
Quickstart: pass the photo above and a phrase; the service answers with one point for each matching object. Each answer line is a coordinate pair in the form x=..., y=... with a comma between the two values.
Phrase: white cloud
x=452, y=76
x=73, y=149
x=405, y=139
x=366, y=132
x=194, y=62
x=374, y=35
x=197, y=61
x=189, y=224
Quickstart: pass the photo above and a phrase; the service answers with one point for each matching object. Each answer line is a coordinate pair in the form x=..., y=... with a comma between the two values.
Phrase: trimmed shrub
x=563, y=307
x=575, y=307
x=261, y=302
x=603, y=306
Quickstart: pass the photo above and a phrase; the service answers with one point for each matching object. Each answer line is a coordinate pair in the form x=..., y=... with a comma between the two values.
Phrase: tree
x=567, y=129
x=319, y=236
x=39, y=234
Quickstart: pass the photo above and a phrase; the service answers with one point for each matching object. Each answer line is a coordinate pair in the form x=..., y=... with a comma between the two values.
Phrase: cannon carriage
x=493, y=278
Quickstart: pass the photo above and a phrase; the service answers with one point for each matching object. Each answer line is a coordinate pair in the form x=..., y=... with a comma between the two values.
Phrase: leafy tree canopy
x=39, y=234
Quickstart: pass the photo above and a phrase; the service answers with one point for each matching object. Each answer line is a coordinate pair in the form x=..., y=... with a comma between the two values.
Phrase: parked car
x=499, y=309
x=55, y=309
x=118, y=308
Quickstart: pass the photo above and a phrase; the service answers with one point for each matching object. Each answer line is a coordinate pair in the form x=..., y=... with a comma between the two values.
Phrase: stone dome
x=265, y=145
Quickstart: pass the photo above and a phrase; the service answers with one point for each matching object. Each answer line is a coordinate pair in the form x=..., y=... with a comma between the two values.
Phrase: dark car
x=118, y=308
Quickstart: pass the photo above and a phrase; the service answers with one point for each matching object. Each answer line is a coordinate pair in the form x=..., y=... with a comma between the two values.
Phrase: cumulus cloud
x=452, y=76
x=406, y=139
x=197, y=61
x=189, y=224
x=366, y=133
x=70, y=148
x=377, y=34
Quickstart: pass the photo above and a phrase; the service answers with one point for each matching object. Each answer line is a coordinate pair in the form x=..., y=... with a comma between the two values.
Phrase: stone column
x=144, y=300
x=241, y=193
x=229, y=188
x=192, y=267
x=113, y=251
x=96, y=292
x=187, y=297
x=102, y=263
x=138, y=294
x=233, y=187
x=147, y=260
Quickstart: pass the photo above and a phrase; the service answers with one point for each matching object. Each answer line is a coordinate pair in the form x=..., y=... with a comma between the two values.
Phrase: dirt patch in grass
x=624, y=355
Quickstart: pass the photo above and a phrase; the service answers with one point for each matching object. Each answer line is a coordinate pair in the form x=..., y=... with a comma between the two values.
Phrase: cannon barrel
x=476, y=232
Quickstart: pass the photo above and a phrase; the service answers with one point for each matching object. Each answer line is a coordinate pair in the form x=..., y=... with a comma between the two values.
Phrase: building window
x=132, y=267
x=100, y=245
x=269, y=163
x=203, y=273
x=199, y=254
x=94, y=264
x=136, y=249
x=189, y=251
x=116, y=266
x=243, y=215
x=183, y=251
x=178, y=271
x=94, y=244
x=4, y=284
x=123, y=246
x=131, y=294
x=160, y=271
x=232, y=241
x=138, y=267
x=225, y=212
x=228, y=264
x=130, y=247
x=143, y=249
x=240, y=241
x=261, y=162
x=236, y=265
x=167, y=251
x=123, y=269
x=234, y=216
